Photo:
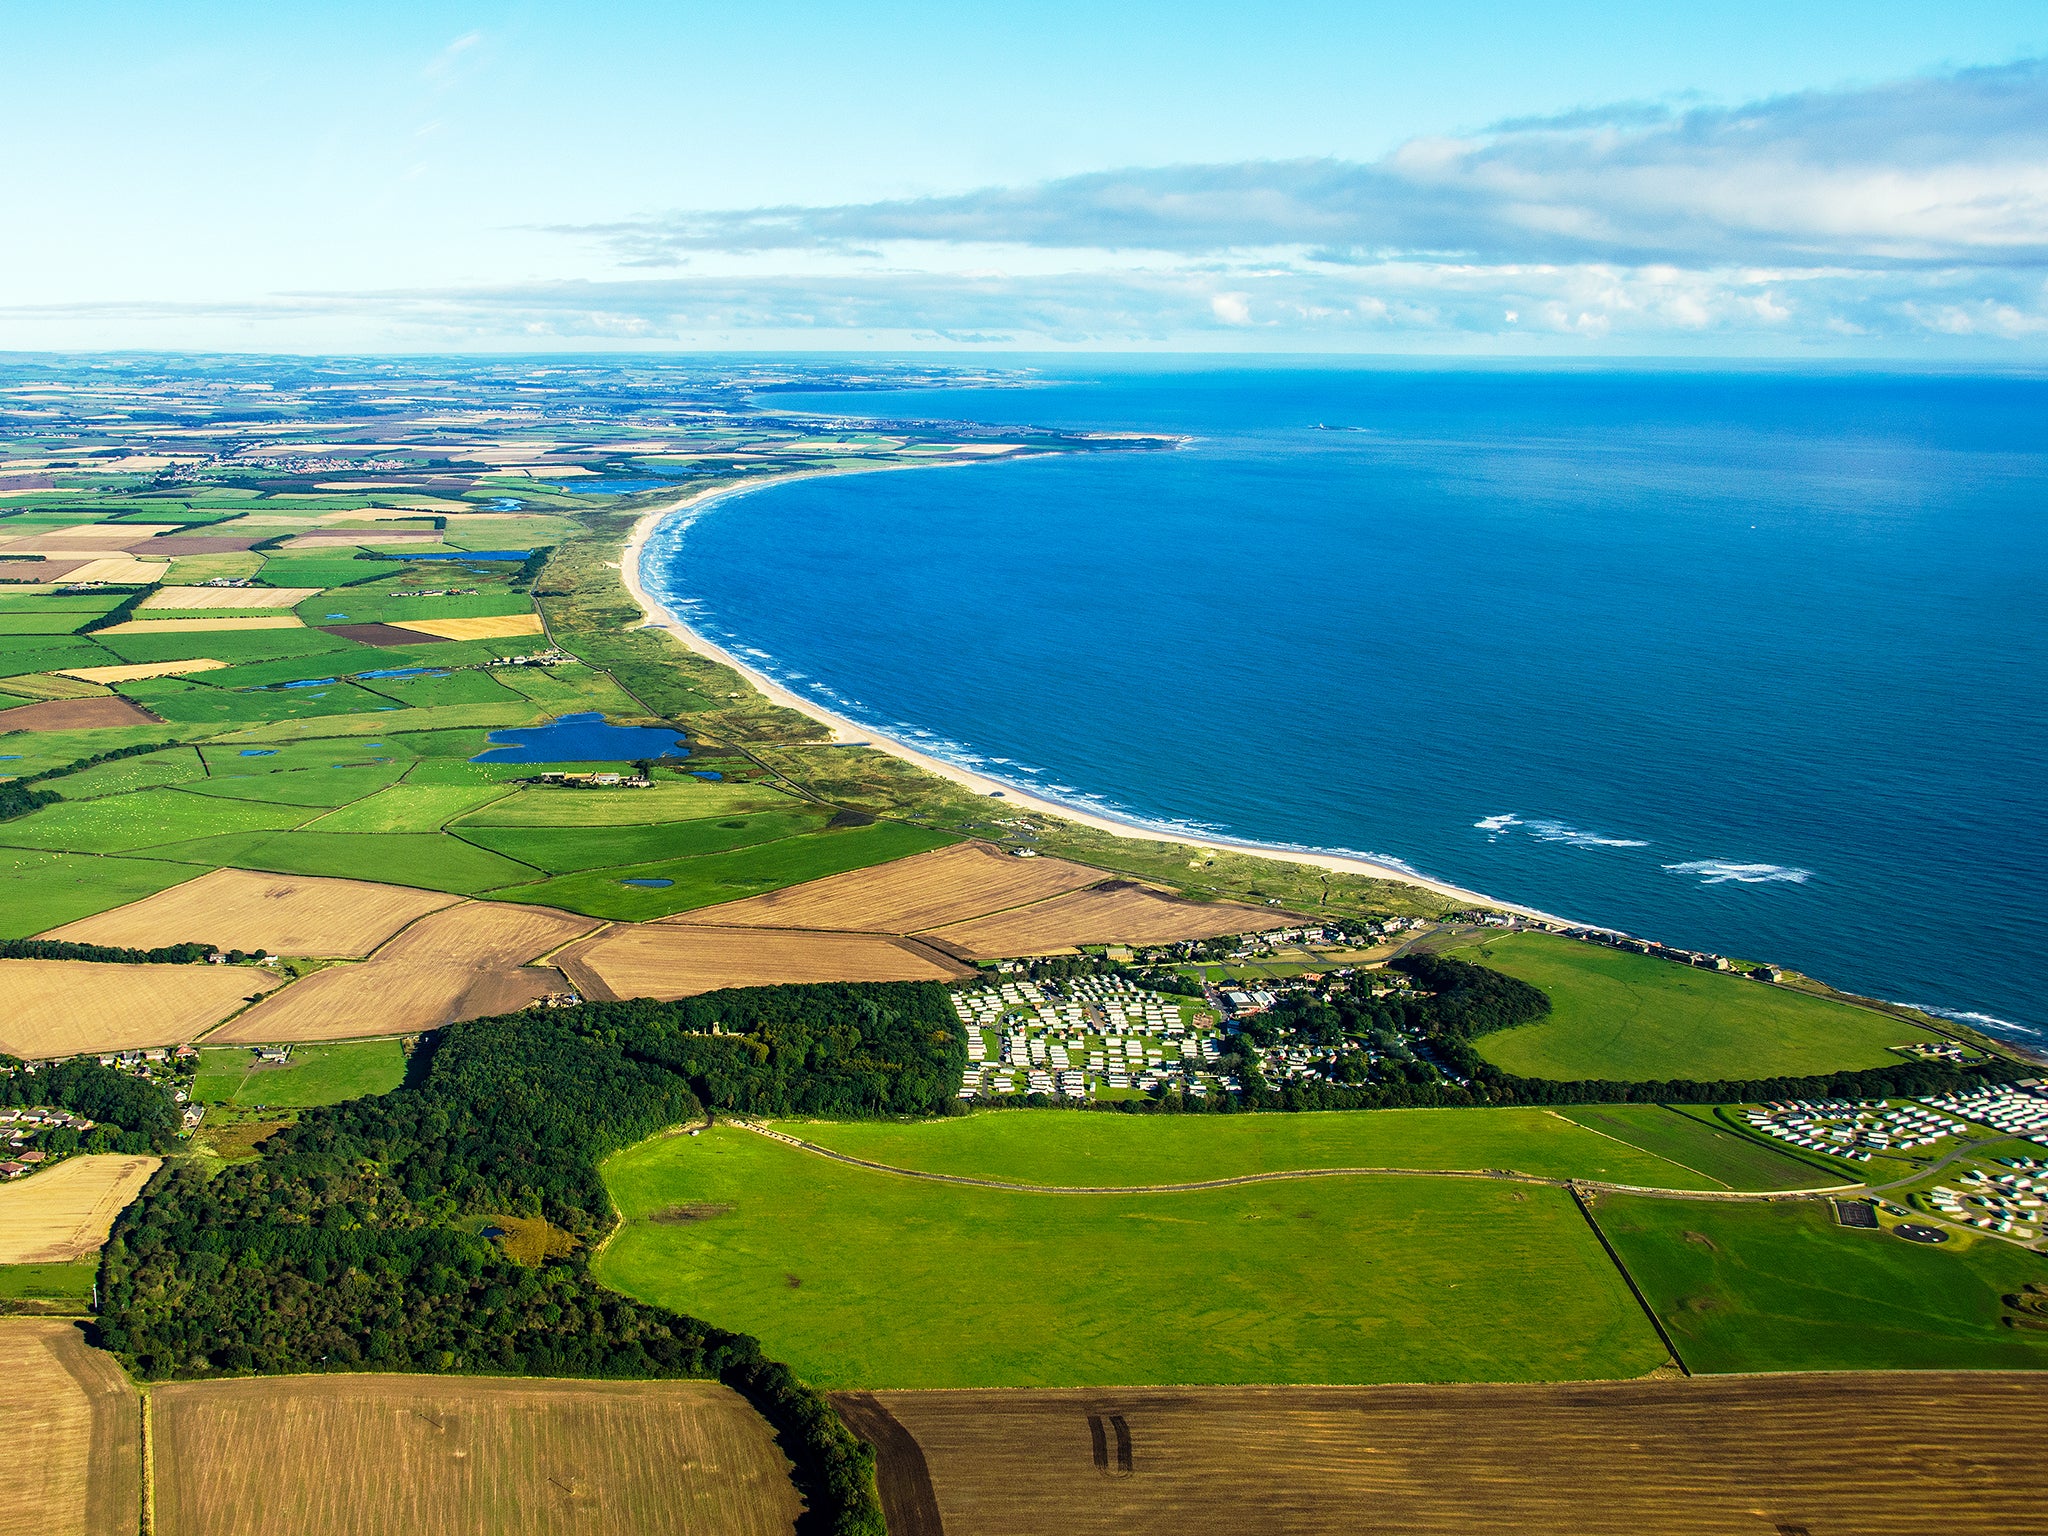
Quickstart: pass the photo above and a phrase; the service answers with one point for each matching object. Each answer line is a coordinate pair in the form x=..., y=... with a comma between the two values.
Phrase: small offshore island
x=823, y=1122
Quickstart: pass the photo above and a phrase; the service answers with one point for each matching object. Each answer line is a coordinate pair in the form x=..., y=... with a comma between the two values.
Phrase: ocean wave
x=1990, y=1023
x=1545, y=830
x=1722, y=871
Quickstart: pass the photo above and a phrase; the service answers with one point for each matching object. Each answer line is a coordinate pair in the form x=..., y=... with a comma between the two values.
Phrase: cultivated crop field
x=656, y=960
x=923, y=891
x=1634, y=1018
x=863, y=1279
x=365, y=1455
x=245, y=909
x=1115, y=912
x=66, y=1213
x=71, y=1426
x=66, y=1007
x=670, y=800
x=1874, y=1455
x=463, y=962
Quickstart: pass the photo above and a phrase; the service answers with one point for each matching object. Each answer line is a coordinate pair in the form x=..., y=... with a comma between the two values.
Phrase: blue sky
x=1814, y=179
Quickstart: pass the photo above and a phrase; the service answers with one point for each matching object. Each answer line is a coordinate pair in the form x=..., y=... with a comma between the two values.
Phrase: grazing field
x=923, y=891
x=565, y=850
x=1633, y=1018
x=648, y=960
x=364, y=1455
x=72, y=1427
x=1726, y=1158
x=149, y=818
x=73, y=715
x=65, y=1213
x=1873, y=1455
x=1782, y=1287
x=317, y=789
x=464, y=962
x=863, y=1279
x=432, y=860
x=665, y=886
x=1117, y=911
x=409, y=808
x=545, y=806
x=243, y=909
x=67, y=1284
x=65, y=1007
x=37, y=888
x=1059, y=1147
x=315, y=1075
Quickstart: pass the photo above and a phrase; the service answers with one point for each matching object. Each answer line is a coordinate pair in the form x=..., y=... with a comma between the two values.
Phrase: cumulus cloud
x=1931, y=171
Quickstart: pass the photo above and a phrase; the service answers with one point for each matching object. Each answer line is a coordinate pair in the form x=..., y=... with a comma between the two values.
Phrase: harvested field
x=363, y=1455
x=135, y=627
x=1115, y=912
x=243, y=909
x=227, y=597
x=946, y=885
x=460, y=963
x=123, y=570
x=130, y=674
x=66, y=1213
x=504, y=627
x=37, y=572
x=74, y=715
x=336, y=538
x=202, y=544
x=659, y=960
x=380, y=634
x=1879, y=1455
x=72, y=1425
x=67, y=1007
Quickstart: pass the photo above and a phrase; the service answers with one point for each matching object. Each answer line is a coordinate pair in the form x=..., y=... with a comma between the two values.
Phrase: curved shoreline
x=850, y=732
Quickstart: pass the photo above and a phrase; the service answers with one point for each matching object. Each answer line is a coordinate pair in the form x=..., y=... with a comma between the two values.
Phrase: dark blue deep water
x=580, y=738
x=1749, y=661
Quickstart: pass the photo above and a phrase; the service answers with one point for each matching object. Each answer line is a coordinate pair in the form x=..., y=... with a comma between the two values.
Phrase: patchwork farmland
x=246, y=909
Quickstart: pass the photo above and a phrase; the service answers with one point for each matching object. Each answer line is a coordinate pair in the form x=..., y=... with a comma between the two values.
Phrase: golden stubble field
x=67, y=1212
x=70, y=1435
x=246, y=909
x=944, y=886
x=1117, y=911
x=364, y=1455
x=659, y=960
x=1933, y=1454
x=463, y=962
x=67, y=1007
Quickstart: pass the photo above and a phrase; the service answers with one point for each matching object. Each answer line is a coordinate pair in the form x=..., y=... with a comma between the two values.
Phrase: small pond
x=649, y=885
x=584, y=738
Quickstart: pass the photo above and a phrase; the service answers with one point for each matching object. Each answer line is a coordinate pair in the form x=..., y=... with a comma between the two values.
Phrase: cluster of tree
x=18, y=800
x=133, y=1114
x=120, y=613
x=530, y=568
x=62, y=949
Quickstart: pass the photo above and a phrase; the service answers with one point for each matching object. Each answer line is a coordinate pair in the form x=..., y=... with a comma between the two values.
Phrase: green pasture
x=868, y=1280
x=148, y=818
x=49, y=1282
x=410, y=807
x=191, y=570
x=669, y=800
x=1782, y=1287
x=379, y=604
x=1632, y=1018
x=17, y=622
x=40, y=890
x=562, y=850
x=318, y=570
x=314, y=787
x=1063, y=1147
x=316, y=1075
x=233, y=646
x=412, y=724
x=179, y=765
x=566, y=690
x=23, y=654
x=206, y=708
x=1724, y=1156
x=468, y=687
x=431, y=860
x=234, y=755
x=711, y=878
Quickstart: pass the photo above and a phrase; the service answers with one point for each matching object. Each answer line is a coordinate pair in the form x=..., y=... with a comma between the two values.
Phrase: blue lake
x=584, y=738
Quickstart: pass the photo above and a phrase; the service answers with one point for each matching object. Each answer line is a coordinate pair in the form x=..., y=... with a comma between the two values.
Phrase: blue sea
x=1752, y=661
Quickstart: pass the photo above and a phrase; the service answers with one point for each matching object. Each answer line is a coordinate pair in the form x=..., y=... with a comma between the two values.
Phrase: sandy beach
x=850, y=732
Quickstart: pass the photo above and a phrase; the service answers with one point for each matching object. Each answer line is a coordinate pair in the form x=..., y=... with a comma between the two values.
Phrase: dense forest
x=340, y=1249
x=135, y=1115
x=64, y=949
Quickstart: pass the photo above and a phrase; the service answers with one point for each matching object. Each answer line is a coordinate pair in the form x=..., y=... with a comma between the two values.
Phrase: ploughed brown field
x=245, y=909
x=463, y=962
x=70, y=1435
x=656, y=960
x=74, y=715
x=364, y=1455
x=67, y=1212
x=1114, y=912
x=927, y=889
x=65, y=1007
x=1927, y=1454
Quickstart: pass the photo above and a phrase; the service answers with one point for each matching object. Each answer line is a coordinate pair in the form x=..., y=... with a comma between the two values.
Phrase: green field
x=178, y=766
x=318, y=1074
x=432, y=860
x=41, y=890
x=864, y=1279
x=48, y=1282
x=714, y=877
x=1781, y=1287
x=1727, y=1158
x=670, y=800
x=563, y=850
x=312, y=788
x=409, y=808
x=229, y=645
x=1631, y=1018
x=146, y=819
x=1061, y=1147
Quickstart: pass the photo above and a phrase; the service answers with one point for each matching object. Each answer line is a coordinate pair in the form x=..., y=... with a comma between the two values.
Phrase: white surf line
x=848, y=732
